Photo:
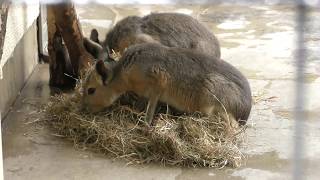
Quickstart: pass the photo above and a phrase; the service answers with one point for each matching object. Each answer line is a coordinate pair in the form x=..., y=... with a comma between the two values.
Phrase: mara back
x=189, y=77
x=169, y=29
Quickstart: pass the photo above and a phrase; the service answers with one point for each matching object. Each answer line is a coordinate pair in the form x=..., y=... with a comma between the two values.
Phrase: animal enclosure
x=46, y=133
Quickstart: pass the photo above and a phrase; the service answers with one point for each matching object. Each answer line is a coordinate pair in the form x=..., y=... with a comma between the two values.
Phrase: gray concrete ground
x=259, y=40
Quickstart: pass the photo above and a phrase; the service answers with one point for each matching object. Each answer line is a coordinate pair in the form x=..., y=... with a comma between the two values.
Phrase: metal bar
x=299, y=115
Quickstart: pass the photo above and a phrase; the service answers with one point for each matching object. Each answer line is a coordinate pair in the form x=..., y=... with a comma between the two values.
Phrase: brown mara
x=168, y=29
x=187, y=80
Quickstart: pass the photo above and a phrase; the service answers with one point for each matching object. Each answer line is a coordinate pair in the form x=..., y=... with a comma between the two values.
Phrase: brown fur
x=169, y=29
x=187, y=80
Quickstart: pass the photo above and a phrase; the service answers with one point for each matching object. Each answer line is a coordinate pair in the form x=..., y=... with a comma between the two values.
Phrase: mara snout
x=187, y=80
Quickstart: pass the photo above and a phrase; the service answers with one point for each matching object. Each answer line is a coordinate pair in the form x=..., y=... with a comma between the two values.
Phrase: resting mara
x=168, y=29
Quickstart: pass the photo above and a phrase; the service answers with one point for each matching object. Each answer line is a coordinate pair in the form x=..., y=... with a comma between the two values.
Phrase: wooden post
x=62, y=19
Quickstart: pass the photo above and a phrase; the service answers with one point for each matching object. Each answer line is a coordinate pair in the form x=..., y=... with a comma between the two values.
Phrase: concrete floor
x=259, y=40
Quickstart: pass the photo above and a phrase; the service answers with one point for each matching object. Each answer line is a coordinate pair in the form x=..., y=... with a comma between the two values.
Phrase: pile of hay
x=121, y=132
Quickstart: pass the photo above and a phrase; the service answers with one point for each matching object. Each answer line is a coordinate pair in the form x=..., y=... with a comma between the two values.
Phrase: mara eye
x=91, y=91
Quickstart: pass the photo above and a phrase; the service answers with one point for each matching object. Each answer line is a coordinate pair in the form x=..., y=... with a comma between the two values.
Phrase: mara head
x=98, y=88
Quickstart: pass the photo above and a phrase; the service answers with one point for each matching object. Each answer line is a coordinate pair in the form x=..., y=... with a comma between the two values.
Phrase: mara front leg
x=152, y=104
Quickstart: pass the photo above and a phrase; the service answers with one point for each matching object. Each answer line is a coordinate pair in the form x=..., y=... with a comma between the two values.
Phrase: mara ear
x=94, y=36
x=104, y=71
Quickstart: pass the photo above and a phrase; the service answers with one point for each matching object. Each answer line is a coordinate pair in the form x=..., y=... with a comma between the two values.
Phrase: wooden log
x=69, y=26
x=62, y=21
x=58, y=56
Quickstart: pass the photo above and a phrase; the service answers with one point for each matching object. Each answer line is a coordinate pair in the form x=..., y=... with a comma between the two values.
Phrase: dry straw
x=121, y=132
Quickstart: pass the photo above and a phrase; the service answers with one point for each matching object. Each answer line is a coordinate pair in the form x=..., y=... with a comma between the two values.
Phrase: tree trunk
x=62, y=21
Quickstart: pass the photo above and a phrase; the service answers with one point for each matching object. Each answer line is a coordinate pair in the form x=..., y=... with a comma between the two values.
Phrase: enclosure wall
x=20, y=53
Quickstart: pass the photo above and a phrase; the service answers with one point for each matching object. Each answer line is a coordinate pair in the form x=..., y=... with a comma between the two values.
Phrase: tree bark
x=62, y=19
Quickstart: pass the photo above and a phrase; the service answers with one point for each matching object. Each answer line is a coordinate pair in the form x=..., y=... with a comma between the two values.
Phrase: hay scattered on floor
x=121, y=132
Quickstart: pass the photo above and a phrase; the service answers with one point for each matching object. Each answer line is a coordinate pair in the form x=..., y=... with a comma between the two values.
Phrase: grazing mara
x=185, y=79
